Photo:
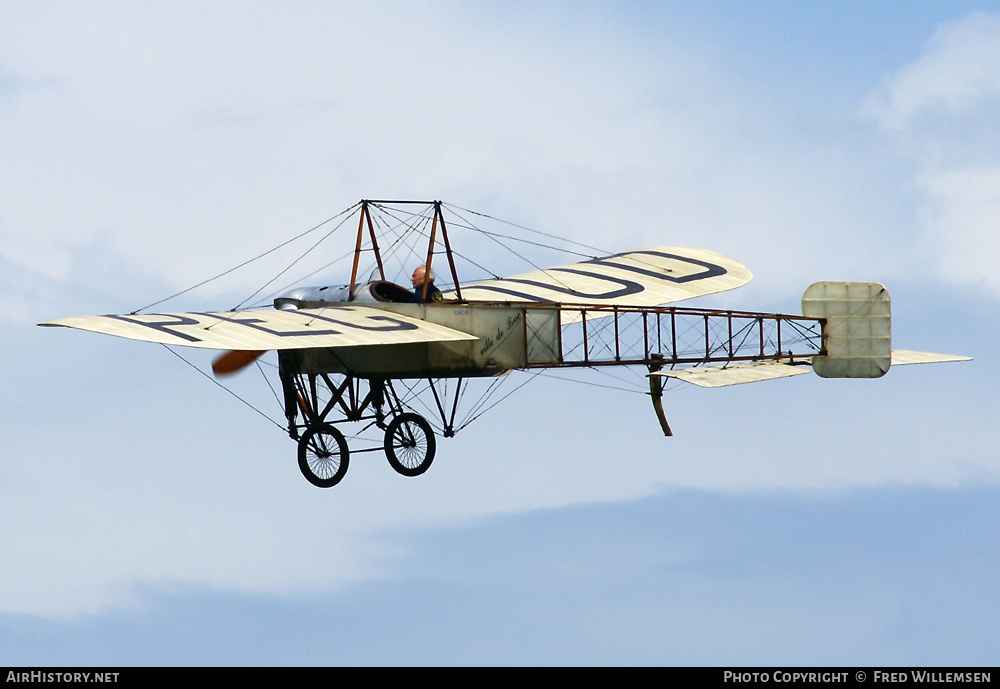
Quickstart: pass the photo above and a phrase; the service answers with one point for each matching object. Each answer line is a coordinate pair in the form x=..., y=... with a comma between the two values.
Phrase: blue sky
x=147, y=517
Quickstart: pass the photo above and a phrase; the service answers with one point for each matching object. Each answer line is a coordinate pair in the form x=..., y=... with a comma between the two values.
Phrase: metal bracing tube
x=618, y=355
x=430, y=256
x=673, y=334
x=371, y=232
x=357, y=248
x=729, y=317
x=447, y=250
x=645, y=334
x=708, y=343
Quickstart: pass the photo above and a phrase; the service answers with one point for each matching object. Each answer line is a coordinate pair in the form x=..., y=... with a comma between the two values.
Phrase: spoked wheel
x=409, y=444
x=323, y=455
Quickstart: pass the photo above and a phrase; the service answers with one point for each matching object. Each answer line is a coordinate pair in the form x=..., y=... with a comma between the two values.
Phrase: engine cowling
x=317, y=297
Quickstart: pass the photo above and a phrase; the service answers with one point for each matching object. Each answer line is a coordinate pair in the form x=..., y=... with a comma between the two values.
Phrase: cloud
x=863, y=577
x=943, y=111
x=962, y=214
x=169, y=127
x=169, y=144
x=958, y=71
x=185, y=140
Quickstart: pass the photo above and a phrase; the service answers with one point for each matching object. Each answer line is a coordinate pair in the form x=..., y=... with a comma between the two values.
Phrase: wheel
x=323, y=455
x=409, y=444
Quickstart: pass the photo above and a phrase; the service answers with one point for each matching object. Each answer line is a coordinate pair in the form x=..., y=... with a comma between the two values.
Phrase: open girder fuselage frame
x=570, y=336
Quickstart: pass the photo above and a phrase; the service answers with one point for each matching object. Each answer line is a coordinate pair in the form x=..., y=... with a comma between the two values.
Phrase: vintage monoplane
x=343, y=351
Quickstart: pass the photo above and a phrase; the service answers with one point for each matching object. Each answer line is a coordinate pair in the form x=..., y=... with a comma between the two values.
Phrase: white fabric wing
x=268, y=329
x=645, y=277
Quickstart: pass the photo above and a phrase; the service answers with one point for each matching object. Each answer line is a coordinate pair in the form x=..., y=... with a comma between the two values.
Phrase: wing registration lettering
x=626, y=287
x=393, y=324
x=259, y=325
x=168, y=326
x=708, y=270
x=271, y=329
x=644, y=277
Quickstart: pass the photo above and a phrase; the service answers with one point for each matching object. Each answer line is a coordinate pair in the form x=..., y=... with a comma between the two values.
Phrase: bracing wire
x=633, y=391
x=401, y=230
x=493, y=237
x=217, y=383
x=248, y=262
x=268, y=381
x=453, y=208
x=483, y=411
x=272, y=295
x=292, y=264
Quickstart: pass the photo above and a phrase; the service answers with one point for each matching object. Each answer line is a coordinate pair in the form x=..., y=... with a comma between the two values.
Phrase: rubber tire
x=316, y=451
x=415, y=442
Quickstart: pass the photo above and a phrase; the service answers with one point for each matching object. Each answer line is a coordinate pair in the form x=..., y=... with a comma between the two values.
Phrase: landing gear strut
x=408, y=440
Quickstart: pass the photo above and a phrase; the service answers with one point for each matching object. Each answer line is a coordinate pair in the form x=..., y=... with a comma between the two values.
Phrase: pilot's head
x=420, y=275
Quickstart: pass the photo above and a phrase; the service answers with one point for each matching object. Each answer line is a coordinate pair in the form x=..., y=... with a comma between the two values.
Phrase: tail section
x=857, y=339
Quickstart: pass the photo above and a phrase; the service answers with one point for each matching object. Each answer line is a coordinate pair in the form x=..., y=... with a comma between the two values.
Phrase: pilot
x=420, y=276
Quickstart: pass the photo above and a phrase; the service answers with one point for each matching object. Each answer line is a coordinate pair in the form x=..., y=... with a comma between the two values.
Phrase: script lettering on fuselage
x=490, y=343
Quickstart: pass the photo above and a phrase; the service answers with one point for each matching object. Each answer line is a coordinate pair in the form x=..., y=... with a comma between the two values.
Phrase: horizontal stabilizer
x=908, y=356
x=734, y=374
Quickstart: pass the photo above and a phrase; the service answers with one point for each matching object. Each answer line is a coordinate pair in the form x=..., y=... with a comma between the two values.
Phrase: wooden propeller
x=234, y=361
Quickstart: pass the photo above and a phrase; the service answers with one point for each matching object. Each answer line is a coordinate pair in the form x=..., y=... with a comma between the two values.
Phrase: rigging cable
x=289, y=267
x=469, y=421
x=214, y=381
x=490, y=235
x=601, y=252
x=528, y=229
x=245, y=263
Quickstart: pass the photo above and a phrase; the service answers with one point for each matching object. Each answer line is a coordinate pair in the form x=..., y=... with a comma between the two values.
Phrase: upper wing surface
x=341, y=326
x=645, y=277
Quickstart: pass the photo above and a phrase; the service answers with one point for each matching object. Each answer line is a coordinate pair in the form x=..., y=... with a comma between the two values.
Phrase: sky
x=147, y=146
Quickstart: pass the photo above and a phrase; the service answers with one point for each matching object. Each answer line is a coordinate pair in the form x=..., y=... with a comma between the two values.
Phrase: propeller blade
x=234, y=361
